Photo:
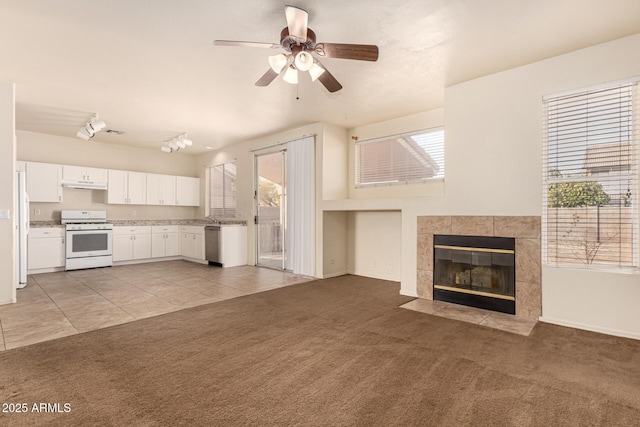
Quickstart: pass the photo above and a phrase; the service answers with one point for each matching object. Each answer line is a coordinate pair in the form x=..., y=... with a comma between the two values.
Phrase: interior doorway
x=271, y=207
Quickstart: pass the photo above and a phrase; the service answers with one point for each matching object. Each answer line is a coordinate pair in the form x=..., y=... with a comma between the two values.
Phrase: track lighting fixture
x=91, y=127
x=177, y=143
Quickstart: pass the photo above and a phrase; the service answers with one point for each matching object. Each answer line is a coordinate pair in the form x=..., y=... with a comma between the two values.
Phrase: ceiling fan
x=299, y=44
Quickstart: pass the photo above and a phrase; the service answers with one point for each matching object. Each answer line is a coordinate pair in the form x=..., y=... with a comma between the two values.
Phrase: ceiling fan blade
x=297, y=20
x=245, y=44
x=329, y=81
x=267, y=78
x=361, y=52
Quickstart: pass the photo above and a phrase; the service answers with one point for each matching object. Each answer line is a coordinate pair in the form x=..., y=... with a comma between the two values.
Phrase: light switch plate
x=5, y=214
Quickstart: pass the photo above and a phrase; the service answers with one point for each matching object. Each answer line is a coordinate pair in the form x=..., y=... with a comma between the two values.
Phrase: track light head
x=90, y=128
x=166, y=149
x=98, y=125
x=85, y=134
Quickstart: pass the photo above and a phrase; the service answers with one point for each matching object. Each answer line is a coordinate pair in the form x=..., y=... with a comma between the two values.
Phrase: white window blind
x=590, y=177
x=222, y=190
x=400, y=159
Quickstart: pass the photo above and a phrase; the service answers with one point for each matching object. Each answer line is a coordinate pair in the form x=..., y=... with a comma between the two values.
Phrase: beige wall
x=7, y=190
x=72, y=151
x=493, y=154
x=375, y=244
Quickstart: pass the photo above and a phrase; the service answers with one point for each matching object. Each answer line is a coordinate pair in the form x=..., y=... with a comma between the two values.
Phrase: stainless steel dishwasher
x=212, y=244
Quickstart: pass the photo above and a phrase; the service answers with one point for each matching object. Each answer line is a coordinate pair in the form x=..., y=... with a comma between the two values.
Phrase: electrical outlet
x=169, y=212
x=134, y=212
x=390, y=266
x=333, y=261
x=374, y=263
x=36, y=212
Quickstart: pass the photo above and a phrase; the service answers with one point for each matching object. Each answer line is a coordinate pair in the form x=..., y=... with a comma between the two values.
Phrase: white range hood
x=85, y=185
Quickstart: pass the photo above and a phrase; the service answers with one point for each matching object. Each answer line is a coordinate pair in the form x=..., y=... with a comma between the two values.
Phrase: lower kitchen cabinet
x=46, y=248
x=165, y=241
x=192, y=241
x=131, y=243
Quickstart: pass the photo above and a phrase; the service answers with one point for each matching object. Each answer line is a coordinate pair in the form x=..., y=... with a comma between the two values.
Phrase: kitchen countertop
x=131, y=222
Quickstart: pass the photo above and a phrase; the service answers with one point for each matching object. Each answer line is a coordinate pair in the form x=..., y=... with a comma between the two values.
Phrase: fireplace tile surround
x=526, y=231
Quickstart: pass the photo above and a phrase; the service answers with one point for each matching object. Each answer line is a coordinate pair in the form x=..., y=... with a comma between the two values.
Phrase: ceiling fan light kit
x=299, y=43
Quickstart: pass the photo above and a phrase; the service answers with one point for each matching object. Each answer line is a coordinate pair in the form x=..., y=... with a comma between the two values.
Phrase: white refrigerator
x=21, y=216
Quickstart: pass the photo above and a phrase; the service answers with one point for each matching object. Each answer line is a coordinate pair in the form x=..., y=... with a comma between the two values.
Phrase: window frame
x=609, y=179
x=437, y=157
x=209, y=208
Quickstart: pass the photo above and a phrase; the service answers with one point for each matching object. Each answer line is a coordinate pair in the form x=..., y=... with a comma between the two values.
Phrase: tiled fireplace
x=522, y=231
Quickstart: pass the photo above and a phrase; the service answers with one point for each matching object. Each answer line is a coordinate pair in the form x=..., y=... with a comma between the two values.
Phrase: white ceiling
x=149, y=67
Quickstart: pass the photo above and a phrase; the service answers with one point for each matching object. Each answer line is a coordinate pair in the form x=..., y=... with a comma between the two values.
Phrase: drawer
x=47, y=232
x=194, y=229
x=165, y=229
x=135, y=229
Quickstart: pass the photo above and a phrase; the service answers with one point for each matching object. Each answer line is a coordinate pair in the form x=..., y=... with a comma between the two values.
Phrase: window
x=222, y=190
x=590, y=177
x=400, y=159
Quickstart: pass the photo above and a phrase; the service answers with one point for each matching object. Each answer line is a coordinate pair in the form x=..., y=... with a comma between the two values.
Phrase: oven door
x=88, y=243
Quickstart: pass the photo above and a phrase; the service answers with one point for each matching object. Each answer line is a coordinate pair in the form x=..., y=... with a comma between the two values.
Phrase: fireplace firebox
x=475, y=271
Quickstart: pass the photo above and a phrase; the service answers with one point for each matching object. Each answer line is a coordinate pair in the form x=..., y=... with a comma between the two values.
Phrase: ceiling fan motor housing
x=294, y=45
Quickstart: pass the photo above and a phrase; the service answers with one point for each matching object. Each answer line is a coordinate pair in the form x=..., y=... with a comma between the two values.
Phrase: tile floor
x=491, y=319
x=54, y=305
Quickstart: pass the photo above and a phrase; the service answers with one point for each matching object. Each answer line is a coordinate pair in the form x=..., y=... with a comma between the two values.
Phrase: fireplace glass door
x=477, y=271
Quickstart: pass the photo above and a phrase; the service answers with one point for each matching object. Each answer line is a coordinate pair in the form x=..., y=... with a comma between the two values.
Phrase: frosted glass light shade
x=278, y=62
x=291, y=76
x=303, y=61
x=315, y=71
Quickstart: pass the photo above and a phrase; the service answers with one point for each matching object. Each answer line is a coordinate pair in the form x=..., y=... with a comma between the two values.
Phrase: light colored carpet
x=330, y=352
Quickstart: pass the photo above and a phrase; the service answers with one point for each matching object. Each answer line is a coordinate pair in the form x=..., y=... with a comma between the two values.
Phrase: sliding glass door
x=270, y=195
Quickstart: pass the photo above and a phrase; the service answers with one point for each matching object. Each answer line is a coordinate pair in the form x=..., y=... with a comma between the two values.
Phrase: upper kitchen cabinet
x=127, y=188
x=44, y=182
x=161, y=189
x=82, y=173
x=187, y=191
x=21, y=166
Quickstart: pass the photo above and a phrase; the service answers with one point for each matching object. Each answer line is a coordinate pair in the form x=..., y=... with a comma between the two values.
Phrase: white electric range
x=89, y=239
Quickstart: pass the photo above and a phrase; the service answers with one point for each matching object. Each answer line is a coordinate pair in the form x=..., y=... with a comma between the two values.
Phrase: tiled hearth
x=525, y=230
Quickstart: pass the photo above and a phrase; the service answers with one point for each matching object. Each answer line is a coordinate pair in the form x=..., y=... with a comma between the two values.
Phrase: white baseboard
x=592, y=328
x=45, y=270
x=329, y=276
x=408, y=294
x=7, y=302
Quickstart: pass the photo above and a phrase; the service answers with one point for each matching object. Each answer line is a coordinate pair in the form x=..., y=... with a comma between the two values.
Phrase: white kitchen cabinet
x=126, y=187
x=161, y=189
x=130, y=243
x=83, y=173
x=165, y=241
x=44, y=182
x=187, y=191
x=46, y=248
x=192, y=241
x=233, y=245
